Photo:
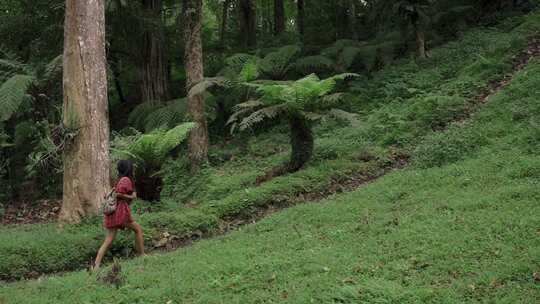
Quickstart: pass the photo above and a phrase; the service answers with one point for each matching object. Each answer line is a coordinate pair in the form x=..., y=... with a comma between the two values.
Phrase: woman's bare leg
x=139, y=239
x=111, y=235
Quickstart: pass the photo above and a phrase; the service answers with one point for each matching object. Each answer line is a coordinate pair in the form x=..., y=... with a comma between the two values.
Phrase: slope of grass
x=463, y=232
x=397, y=108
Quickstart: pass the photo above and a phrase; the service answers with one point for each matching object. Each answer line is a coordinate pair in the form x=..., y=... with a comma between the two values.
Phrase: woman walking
x=121, y=218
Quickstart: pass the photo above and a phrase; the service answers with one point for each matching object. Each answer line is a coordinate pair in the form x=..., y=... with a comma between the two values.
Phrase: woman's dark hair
x=125, y=168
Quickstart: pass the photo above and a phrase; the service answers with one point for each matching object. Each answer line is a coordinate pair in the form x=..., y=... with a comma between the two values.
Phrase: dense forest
x=233, y=110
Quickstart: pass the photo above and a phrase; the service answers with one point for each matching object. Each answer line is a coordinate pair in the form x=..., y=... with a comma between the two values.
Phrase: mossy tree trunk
x=193, y=58
x=302, y=146
x=86, y=158
x=302, y=142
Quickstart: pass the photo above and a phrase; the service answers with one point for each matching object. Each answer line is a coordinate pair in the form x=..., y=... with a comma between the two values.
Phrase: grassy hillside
x=464, y=232
x=400, y=111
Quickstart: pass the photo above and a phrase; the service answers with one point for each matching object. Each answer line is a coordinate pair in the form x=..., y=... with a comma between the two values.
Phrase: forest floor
x=466, y=232
x=456, y=223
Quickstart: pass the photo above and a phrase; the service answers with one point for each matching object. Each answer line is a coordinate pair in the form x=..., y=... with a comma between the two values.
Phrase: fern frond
x=53, y=68
x=152, y=149
x=250, y=71
x=12, y=94
x=352, y=118
x=313, y=64
x=260, y=116
x=349, y=55
x=276, y=64
x=167, y=116
x=137, y=117
x=336, y=48
x=250, y=104
x=208, y=83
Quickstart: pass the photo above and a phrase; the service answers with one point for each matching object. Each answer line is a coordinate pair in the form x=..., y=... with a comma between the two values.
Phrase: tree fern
x=276, y=64
x=137, y=117
x=150, y=150
x=166, y=116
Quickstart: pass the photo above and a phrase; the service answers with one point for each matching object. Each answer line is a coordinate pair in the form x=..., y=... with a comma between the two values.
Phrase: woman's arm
x=127, y=196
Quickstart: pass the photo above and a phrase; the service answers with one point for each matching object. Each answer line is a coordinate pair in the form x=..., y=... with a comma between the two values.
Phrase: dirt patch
x=519, y=62
x=34, y=212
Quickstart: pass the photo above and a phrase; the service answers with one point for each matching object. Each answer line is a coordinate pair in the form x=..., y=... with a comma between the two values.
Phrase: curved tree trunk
x=302, y=144
x=154, y=73
x=198, y=137
x=279, y=17
x=86, y=158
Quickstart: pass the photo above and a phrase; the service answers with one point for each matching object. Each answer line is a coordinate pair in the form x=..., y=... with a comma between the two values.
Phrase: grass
x=398, y=108
x=465, y=231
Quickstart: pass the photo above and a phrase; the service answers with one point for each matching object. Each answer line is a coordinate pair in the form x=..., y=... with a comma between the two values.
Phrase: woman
x=121, y=218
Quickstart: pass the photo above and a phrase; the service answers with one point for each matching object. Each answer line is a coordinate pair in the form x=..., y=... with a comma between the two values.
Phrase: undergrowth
x=396, y=110
x=462, y=230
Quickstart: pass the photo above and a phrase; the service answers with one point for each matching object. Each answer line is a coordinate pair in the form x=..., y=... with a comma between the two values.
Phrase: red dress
x=122, y=216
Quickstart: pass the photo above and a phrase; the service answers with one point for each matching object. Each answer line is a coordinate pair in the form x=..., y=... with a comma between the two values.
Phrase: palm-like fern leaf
x=12, y=94
x=276, y=64
x=208, y=83
x=261, y=115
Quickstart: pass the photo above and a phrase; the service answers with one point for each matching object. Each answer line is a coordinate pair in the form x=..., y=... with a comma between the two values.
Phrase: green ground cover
x=462, y=230
x=397, y=109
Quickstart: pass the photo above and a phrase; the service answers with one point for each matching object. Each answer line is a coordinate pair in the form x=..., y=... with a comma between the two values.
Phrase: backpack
x=109, y=204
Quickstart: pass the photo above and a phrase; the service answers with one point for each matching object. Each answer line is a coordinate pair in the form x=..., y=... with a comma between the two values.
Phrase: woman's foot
x=94, y=266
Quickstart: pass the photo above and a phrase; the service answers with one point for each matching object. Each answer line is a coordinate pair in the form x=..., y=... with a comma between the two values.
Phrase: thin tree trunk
x=154, y=74
x=86, y=158
x=420, y=42
x=224, y=19
x=198, y=137
x=115, y=63
x=353, y=19
x=300, y=18
x=248, y=23
x=279, y=17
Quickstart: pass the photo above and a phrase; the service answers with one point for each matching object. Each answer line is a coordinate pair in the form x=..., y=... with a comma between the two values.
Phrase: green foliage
x=151, y=149
x=298, y=97
x=12, y=94
x=408, y=99
x=314, y=64
x=277, y=64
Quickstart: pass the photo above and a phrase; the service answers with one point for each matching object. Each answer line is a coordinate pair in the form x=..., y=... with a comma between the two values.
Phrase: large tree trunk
x=198, y=137
x=86, y=158
x=300, y=18
x=248, y=23
x=224, y=19
x=279, y=17
x=154, y=78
